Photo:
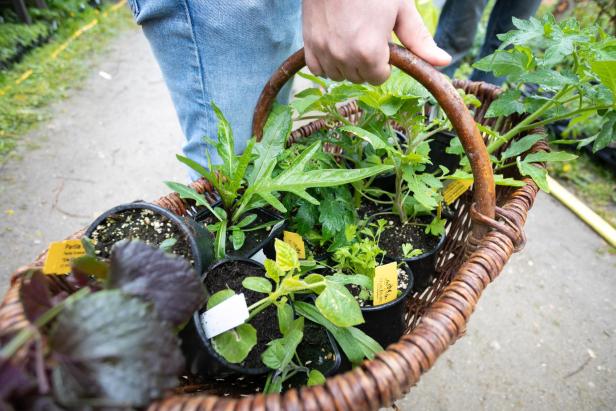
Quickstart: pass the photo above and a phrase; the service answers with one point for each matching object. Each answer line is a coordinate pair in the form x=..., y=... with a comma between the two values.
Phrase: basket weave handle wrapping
x=444, y=93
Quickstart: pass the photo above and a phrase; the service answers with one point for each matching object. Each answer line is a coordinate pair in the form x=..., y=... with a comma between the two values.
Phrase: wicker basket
x=485, y=231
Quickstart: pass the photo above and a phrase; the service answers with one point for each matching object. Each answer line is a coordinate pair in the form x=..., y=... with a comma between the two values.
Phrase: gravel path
x=542, y=337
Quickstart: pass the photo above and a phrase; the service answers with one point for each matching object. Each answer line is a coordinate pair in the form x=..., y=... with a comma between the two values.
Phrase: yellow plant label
x=60, y=255
x=455, y=189
x=296, y=241
x=385, y=286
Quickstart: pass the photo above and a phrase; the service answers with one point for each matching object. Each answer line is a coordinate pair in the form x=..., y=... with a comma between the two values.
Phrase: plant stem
x=27, y=333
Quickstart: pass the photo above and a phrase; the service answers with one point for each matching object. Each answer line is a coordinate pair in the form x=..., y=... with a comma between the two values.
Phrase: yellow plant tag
x=455, y=189
x=60, y=255
x=296, y=241
x=385, y=285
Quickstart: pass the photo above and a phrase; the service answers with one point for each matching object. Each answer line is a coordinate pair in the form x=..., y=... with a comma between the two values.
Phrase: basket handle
x=444, y=93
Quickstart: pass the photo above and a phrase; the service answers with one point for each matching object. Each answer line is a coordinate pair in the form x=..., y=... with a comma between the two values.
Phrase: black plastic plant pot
x=386, y=323
x=438, y=154
x=312, y=352
x=201, y=357
x=423, y=266
x=198, y=240
x=255, y=240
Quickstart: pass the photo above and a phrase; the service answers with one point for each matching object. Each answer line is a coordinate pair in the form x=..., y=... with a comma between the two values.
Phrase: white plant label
x=225, y=316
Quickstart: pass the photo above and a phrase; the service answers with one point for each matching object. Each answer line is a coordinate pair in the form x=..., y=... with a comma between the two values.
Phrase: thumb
x=415, y=36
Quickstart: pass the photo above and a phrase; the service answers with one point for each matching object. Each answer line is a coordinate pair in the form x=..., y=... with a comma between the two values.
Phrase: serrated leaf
x=506, y=104
x=187, y=192
x=537, y=173
x=338, y=305
x=286, y=256
x=606, y=71
x=375, y=141
x=235, y=345
x=258, y=284
x=225, y=145
x=607, y=133
x=168, y=281
x=106, y=340
x=306, y=217
x=512, y=63
x=520, y=146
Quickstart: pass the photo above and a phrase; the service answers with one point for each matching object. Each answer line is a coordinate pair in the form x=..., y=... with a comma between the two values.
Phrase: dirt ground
x=542, y=337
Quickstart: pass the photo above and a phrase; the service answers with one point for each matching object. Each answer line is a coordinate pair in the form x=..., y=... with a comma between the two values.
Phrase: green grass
x=24, y=105
x=592, y=183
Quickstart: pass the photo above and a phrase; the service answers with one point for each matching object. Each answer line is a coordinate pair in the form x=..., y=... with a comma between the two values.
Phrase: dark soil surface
x=403, y=283
x=139, y=224
x=230, y=275
x=397, y=234
x=253, y=238
x=367, y=208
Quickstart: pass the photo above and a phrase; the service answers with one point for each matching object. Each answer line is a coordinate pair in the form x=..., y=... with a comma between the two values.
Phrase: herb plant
x=575, y=69
x=252, y=174
x=108, y=333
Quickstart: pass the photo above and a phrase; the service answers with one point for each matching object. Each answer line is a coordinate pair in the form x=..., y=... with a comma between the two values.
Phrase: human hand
x=348, y=39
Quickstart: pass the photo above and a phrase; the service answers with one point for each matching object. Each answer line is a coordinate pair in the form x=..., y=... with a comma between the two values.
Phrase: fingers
x=313, y=63
x=414, y=35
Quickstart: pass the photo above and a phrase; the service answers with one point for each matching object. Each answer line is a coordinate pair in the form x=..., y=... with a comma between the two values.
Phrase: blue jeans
x=218, y=51
x=457, y=28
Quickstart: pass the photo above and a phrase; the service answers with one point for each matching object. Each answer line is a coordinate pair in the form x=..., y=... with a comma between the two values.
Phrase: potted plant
x=268, y=339
x=153, y=225
x=248, y=182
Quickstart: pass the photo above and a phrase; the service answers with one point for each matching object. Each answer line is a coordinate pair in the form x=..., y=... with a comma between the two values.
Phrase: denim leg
x=501, y=22
x=221, y=51
x=456, y=29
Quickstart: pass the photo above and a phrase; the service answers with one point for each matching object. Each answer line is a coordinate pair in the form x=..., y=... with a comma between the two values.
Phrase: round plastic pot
x=422, y=266
x=201, y=358
x=385, y=323
x=247, y=252
x=200, y=240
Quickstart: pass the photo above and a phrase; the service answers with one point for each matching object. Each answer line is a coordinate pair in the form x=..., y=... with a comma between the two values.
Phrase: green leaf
x=343, y=336
x=88, y=246
x=168, y=244
x=338, y=305
x=312, y=78
x=280, y=352
x=240, y=171
x=549, y=157
x=113, y=347
x=537, y=173
x=166, y=280
x=522, y=145
x=275, y=132
x=346, y=279
x=221, y=240
x=235, y=345
x=367, y=344
x=314, y=279
x=88, y=265
x=225, y=145
x=607, y=133
x=306, y=217
x=500, y=180
x=506, y=104
x=195, y=166
x=512, y=63
x=258, y=284
x=272, y=270
x=285, y=317
x=286, y=256
x=315, y=377
x=187, y=192
x=237, y=238
x=528, y=30
x=606, y=71
x=375, y=141
x=247, y=220
x=219, y=297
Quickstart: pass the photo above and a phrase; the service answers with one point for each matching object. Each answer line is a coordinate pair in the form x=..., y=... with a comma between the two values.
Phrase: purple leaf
x=166, y=280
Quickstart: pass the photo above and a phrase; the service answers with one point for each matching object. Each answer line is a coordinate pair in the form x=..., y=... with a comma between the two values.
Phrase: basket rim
x=390, y=375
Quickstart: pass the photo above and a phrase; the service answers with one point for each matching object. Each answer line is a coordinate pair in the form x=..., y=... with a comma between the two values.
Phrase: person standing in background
x=458, y=24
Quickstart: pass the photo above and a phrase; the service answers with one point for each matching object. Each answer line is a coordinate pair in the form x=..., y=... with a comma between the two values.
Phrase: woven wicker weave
x=486, y=230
